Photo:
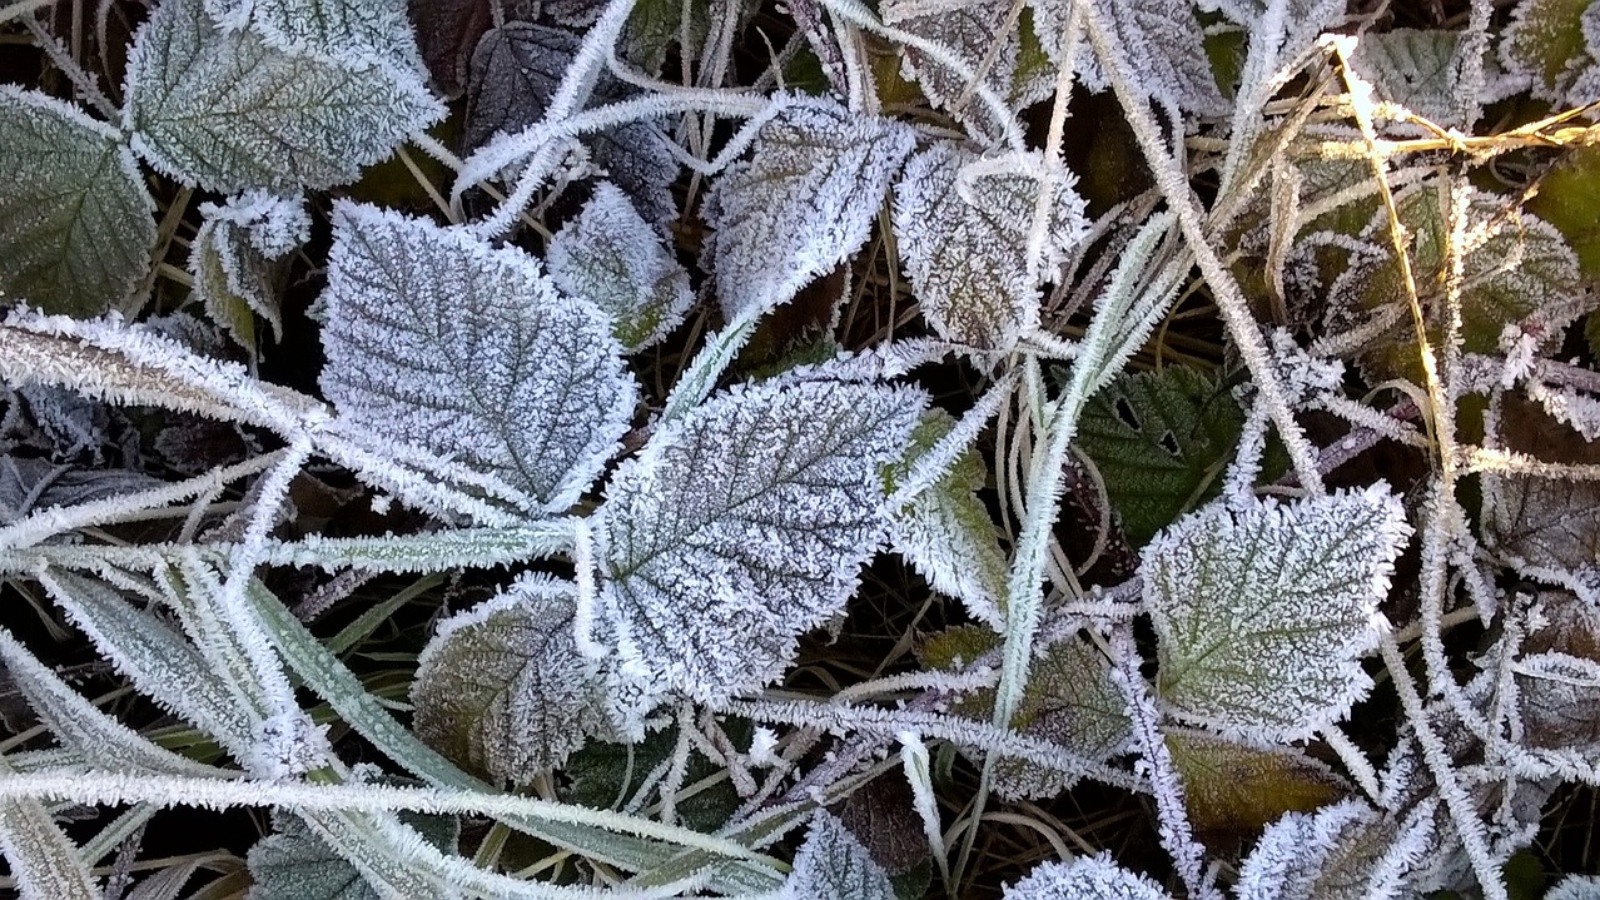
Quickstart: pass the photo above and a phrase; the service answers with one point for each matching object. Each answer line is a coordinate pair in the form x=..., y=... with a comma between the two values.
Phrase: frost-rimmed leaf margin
x=549, y=396
x=105, y=248
x=802, y=203
x=502, y=689
x=208, y=107
x=718, y=547
x=1215, y=578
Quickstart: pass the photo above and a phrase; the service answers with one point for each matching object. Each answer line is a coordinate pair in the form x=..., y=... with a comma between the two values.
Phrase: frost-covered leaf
x=502, y=690
x=1415, y=69
x=1344, y=851
x=1547, y=528
x=1263, y=611
x=228, y=112
x=1558, y=678
x=435, y=338
x=802, y=203
x=1160, y=441
x=1161, y=42
x=832, y=865
x=349, y=32
x=1071, y=701
x=612, y=257
x=1576, y=887
x=76, y=231
x=742, y=525
x=292, y=863
x=1233, y=789
x=968, y=30
x=947, y=533
x=237, y=260
x=963, y=239
x=1546, y=43
x=603, y=773
x=44, y=861
x=516, y=69
x=1085, y=878
x=1517, y=271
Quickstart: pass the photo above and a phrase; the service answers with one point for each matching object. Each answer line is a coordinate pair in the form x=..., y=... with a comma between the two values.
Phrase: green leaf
x=605, y=774
x=502, y=690
x=947, y=533
x=228, y=112
x=76, y=232
x=1085, y=878
x=1233, y=790
x=292, y=863
x=610, y=256
x=1517, y=270
x=1263, y=611
x=1545, y=42
x=742, y=525
x=832, y=865
x=1160, y=441
x=238, y=260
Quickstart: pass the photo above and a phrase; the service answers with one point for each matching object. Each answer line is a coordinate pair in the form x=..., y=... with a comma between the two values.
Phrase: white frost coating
x=742, y=525
x=75, y=219
x=1415, y=69
x=832, y=865
x=1085, y=878
x=802, y=203
x=233, y=253
x=345, y=32
x=970, y=31
x=228, y=112
x=437, y=339
x=1263, y=611
x=1344, y=850
x=1162, y=42
x=502, y=686
x=287, y=746
x=963, y=242
x=612, y=257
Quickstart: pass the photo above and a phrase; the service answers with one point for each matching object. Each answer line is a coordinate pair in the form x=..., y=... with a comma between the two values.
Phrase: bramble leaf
x=228, y=112
x=348, y=32
x=1344, y=851
x=1161, y=41
x=502, y=690
x=971, y=31
x=76, y=231
x=435, y=338
x=946, y=532
x=963, y=239
x=1233, y=790
x=235, y=260
x=742, y=525
x=1547, y=43
x=612, y=257
x=802, y=203
x=832, y=865
x=1415, y=69
x=1085, y=878
x=1160, y=441
x=1262, y=611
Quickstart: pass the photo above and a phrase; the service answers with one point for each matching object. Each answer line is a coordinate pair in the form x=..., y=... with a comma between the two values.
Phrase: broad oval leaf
x=1085, y=878
x=1232, y=790
x=802, y=203
x=435, y=338
x=1162, y=44
x=76, y=231
x=229, y=112
x=1263, y=611
x=502, y=690
x=612, y=257
x=742, y=525
x=833, y=865
x=964, y=242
